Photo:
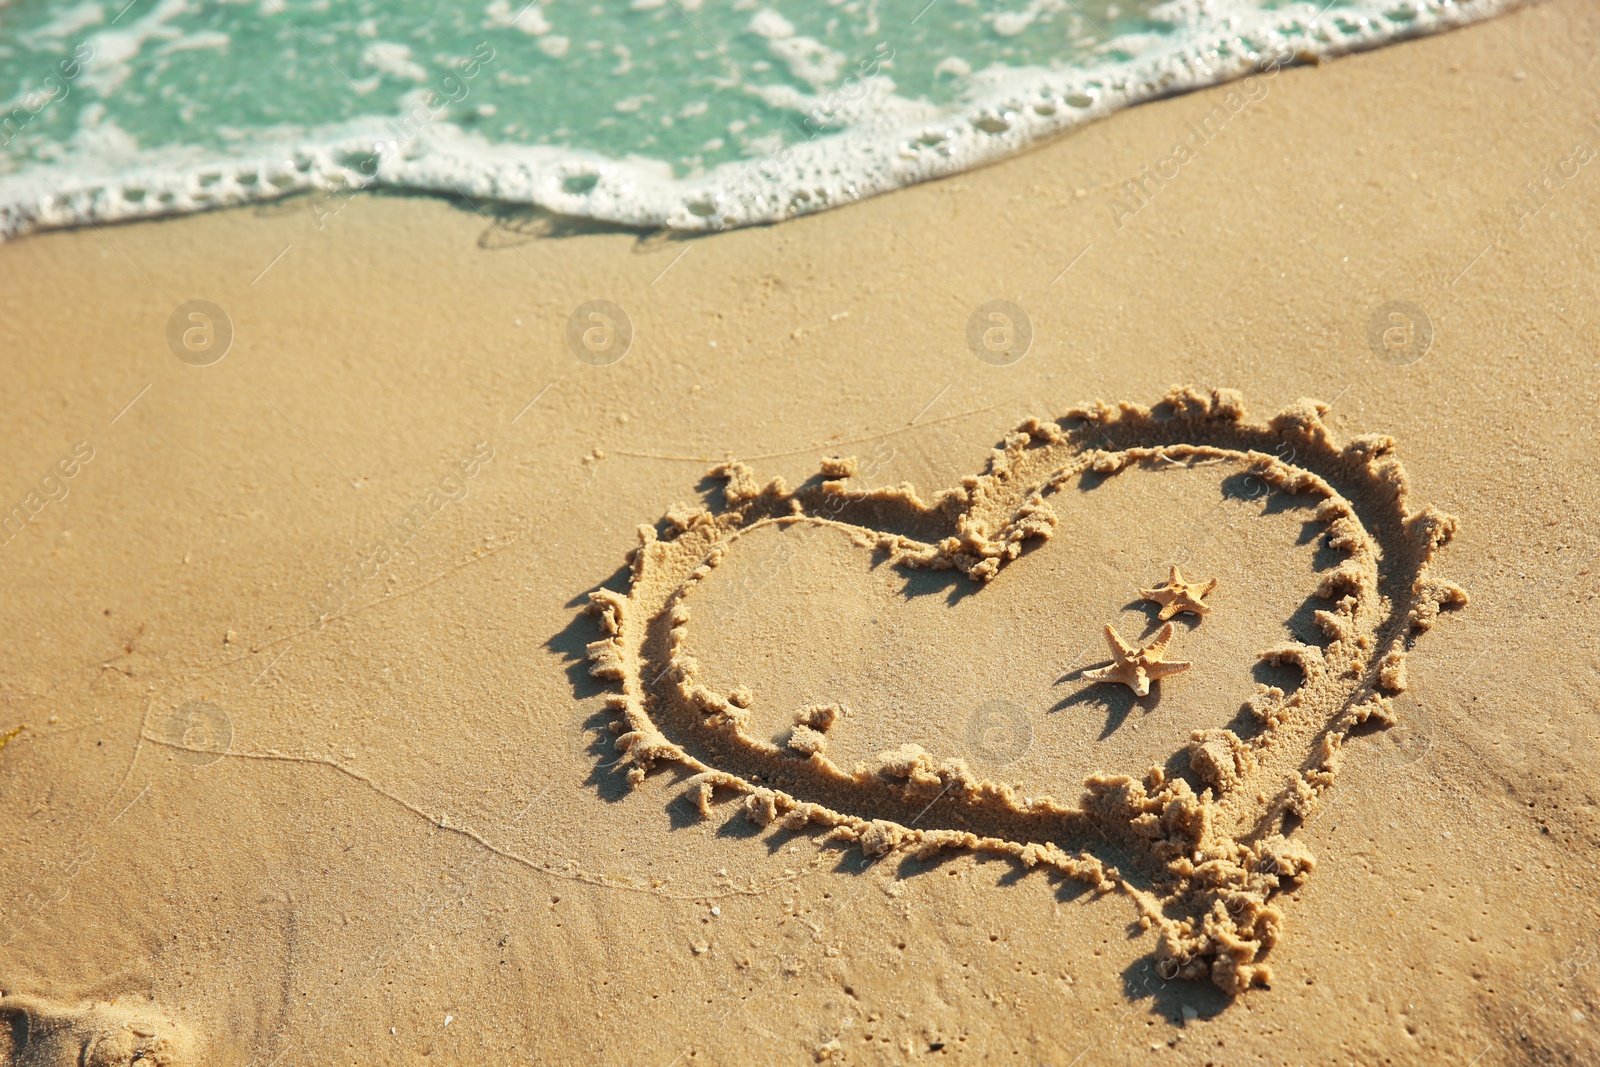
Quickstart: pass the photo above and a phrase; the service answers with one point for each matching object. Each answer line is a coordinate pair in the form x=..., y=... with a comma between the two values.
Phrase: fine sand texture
x=409, y=659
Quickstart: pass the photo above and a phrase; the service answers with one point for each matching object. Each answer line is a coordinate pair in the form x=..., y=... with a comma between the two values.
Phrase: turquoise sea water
x=688, y=113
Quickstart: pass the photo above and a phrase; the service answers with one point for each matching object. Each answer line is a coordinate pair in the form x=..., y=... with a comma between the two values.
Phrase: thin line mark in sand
x=931, y=265
x=82, y=616
x=1074, y=262
x=207, y=671
x=810, y=447
x=530, y=403
x=390, y=598
x=133, y=761
x=306, y=439
x=1526, y=60
x=274, y=263
x=1297, y=230
x=441, y=822
x=669, y=266
x=930, y=404
x=422, y=912
x=101, y=233
x=130, y=404
x=923, y=12
x=687, y=421
x=1469, y=266
x=273, y=664
x=131, y=803
x=123, y=12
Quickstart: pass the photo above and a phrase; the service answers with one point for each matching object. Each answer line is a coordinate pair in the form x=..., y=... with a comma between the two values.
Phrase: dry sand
x=311, y=766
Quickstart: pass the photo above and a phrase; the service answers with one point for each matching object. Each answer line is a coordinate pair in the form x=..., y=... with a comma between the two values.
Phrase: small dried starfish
x=1178, y=595
x=1136, y=668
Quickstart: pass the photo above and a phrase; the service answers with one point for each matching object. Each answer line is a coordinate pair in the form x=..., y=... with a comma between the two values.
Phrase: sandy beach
x=305, y=761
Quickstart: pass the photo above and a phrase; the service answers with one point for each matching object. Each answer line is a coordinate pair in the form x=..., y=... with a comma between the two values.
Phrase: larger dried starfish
x=1136, y=668
x=1178, y=595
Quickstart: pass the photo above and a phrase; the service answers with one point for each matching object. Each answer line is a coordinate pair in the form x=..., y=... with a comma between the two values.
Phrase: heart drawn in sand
x=1210, y=844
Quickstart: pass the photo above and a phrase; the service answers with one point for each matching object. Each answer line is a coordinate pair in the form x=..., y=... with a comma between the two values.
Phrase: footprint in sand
x=35, y=1032
x=838, y=580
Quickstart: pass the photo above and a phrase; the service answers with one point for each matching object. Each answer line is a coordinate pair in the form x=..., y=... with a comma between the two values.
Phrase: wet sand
x=311, y=764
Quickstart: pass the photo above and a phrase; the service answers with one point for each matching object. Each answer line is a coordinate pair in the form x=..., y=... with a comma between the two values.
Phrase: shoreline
x=886, y=154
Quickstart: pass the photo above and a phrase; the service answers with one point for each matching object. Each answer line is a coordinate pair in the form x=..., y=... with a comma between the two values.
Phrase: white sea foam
x=883, y=141
x=114, y=48
x=193, y=41
x=529, y=19
x=394, y=60
x=69, y=22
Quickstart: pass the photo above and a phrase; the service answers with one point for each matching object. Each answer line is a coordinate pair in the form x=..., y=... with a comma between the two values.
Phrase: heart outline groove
x=1206, y=865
